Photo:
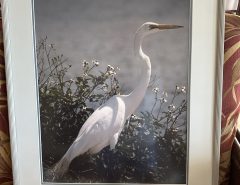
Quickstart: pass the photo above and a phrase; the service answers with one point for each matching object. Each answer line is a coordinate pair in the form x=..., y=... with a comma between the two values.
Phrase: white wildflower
x=183, y=89
x=111, y=73
x=171, y=107
x=50, y=45
x=95, y=62
x=163, y=100
x=155, y=90
x=110, y=68
x=85, y=63
x=146, y=132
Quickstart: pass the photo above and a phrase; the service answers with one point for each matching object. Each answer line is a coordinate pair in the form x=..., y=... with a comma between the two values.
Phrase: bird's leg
x=128, y=122
x=114, y=140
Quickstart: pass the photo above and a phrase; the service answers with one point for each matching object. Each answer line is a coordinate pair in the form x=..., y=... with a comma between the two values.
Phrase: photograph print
x=113, y=90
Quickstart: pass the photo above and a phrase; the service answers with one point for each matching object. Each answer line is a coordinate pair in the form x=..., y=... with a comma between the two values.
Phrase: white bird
x=104, y=126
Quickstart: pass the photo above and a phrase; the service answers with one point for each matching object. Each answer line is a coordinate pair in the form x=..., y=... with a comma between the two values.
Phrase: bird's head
x=151, y=27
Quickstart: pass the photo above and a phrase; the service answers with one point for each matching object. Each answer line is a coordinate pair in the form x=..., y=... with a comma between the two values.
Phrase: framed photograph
x=114, y=92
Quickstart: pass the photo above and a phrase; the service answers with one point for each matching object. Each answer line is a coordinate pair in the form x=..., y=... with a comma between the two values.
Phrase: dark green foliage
x=151, y=148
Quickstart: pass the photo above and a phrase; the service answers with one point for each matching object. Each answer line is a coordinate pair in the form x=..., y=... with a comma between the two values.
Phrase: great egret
x=104, y=126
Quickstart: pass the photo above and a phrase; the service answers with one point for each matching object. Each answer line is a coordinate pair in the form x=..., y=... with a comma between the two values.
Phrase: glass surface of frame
x=131, y=59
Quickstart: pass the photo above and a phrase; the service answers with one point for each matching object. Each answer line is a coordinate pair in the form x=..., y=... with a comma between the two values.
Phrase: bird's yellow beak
x=165, y=26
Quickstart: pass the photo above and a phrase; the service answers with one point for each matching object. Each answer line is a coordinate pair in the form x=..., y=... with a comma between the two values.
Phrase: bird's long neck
x=136, y=96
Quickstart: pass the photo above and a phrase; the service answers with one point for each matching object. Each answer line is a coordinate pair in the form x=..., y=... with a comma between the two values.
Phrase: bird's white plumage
x=104, y=126
x=104, y=123
x=101, y=129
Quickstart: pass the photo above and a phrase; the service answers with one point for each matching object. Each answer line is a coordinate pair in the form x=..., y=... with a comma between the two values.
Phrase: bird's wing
x=98, y=130
x=103, y=118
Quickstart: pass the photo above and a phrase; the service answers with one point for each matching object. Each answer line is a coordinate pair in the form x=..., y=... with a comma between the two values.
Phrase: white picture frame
x=205, y=91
